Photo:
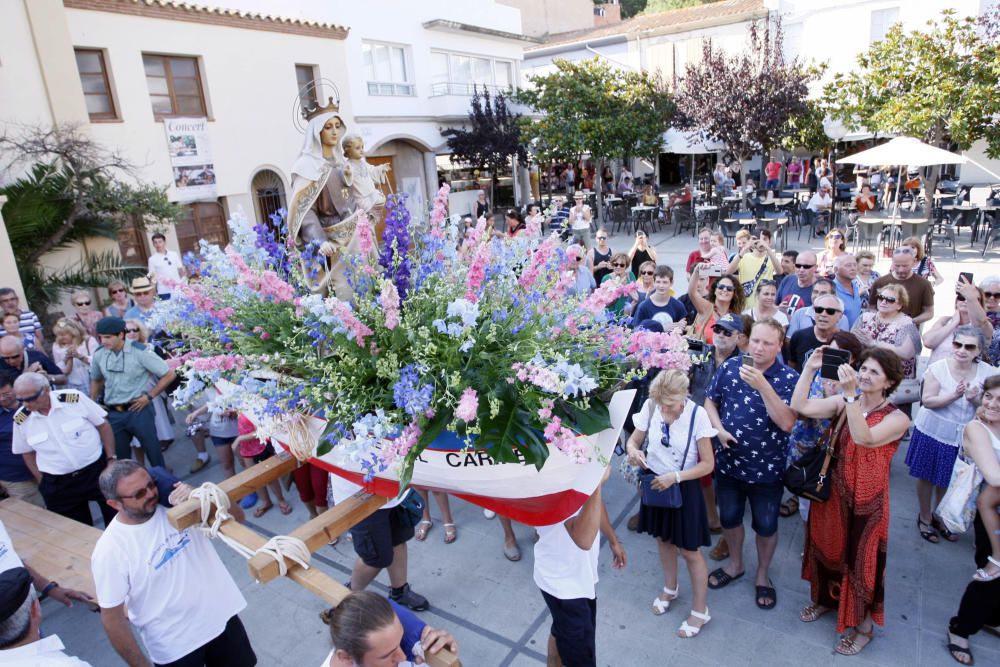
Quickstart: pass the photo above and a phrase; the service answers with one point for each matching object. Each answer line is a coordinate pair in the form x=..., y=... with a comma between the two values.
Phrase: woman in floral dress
x=847, y=537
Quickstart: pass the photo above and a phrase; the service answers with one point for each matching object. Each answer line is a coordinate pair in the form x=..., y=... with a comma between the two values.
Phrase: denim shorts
x=732, y=494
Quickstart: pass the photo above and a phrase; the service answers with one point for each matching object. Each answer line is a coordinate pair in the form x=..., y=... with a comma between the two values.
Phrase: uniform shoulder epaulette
x=21, y=415
x=137, y=345
x=68, y=396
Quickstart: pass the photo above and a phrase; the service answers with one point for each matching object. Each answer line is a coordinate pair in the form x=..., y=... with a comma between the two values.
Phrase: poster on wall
x=190, y=159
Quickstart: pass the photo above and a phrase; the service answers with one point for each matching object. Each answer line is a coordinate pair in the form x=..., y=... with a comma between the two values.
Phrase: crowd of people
x=794, y=353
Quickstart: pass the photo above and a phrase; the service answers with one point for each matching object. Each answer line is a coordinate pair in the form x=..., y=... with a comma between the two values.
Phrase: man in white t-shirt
x=165, y=266
x=21, y=641
x=566, y=573
x=177, y=591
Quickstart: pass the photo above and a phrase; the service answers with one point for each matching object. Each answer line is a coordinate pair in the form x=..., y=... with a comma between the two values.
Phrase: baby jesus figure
x=361, y=177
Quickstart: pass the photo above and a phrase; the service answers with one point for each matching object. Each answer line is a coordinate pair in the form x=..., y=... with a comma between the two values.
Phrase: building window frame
x=881, y=21
x=454, y=86
x=313, y=72
x=172, y=95
x=109, y=93
x=396, y=86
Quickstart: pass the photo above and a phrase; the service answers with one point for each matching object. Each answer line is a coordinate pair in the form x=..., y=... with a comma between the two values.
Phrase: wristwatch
x=48, y=587
x=850, y=399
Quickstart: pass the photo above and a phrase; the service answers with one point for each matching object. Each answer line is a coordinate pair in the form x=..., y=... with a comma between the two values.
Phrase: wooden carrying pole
x=320, y=531
x=315, y=533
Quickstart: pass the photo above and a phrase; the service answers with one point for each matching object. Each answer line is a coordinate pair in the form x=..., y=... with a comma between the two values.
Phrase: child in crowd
x=253, y=451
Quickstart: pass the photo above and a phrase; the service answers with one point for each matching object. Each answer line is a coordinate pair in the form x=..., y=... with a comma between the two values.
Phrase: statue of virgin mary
x=321, y=207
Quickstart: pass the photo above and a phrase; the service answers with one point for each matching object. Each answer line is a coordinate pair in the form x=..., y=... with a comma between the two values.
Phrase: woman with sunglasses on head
x=679, y=453
x=969, y=310
x=136, y=331
x=835, y=246
x=767, y=304
x=120, y=300
x=848, y=535
x=620, y=275
x=725, y=296
x=890, y=328
x=644, y=283
x=71, y=351
x=952, y=389
x=84, y=315
x=990, y=287
x=641, y=252
x=925, y=265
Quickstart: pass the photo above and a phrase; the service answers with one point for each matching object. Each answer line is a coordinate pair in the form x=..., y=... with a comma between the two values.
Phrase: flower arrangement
x=482, y=338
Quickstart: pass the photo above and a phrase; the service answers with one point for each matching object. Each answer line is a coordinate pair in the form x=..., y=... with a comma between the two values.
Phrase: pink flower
x=659, y=350
x=366, y=236
x=477, y=273
x=389, y=300
x=468, y=405
x=396, y=450
x=439, y=212
x=354, y=326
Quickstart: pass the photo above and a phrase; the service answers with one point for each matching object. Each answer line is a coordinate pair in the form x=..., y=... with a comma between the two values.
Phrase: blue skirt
x=929, y=459
x=686, y=527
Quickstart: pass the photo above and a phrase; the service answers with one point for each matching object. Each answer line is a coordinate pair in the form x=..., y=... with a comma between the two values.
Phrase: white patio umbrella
x=904, y=151
x=690, y=143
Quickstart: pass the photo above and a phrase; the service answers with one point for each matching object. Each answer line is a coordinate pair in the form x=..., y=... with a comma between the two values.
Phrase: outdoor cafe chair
x=869, y=232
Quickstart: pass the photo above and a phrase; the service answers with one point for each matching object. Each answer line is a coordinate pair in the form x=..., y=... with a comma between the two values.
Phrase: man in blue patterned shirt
x=748, y=404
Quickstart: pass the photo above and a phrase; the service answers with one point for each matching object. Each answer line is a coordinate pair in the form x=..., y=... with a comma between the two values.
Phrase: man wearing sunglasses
x=165, y=267
x=119, y=371
x=66, y=442
x=177, y=592
x=919, y=290
x=805, y=318
x=15, y=359
x=10, y=302
x=795, y=290
x=828, y=310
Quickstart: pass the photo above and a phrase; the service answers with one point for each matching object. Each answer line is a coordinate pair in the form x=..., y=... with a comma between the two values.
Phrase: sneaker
x=489, y=514
x=249, y=501
x=408, y=598
x=198, y=465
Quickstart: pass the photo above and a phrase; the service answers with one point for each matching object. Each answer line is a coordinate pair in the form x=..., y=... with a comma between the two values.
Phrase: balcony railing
x=464, y=89
x=387, y=89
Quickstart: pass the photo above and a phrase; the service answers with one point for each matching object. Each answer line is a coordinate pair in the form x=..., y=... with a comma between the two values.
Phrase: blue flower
x=409, y=394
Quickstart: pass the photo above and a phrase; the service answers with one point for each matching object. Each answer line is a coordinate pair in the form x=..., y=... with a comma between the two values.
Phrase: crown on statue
x=313, y=109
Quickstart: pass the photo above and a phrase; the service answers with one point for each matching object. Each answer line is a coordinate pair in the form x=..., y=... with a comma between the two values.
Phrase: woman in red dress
x=845, y=551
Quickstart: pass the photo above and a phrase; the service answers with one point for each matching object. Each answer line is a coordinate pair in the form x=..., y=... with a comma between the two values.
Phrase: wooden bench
x=57, y=547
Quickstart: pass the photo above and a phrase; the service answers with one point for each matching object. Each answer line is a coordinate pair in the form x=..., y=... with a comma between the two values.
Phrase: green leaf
x=513, y=437
x=594, y=419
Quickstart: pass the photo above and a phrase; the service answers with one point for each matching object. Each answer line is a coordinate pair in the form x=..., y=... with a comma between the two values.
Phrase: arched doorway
x=268, y=195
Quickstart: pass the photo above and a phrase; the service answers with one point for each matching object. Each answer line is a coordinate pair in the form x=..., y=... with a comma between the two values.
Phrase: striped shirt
x=29, y=323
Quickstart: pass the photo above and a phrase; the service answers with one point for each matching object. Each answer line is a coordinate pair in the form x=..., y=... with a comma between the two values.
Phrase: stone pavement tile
x=985, y=648
x=937, y=607
x=521, y=660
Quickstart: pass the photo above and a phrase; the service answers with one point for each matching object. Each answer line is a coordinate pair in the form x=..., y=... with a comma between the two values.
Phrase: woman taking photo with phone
x=725, y=296
x=679, y=453
x=847, y=574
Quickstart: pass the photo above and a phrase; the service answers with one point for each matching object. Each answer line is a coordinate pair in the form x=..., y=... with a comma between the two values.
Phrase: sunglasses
x=646, y=273
x=992, y=295
x=717, y=329
x=141, y=493
x=579, y=259
x=132, y=330
x=619, y=266
x=887, y=299
x=118, y=290
x=969, y=347
x=829, y=311
x=602, y=238
x=33, y=397
x=83, y=303
x=835, y=236
x=727, y=288
x=804, y=266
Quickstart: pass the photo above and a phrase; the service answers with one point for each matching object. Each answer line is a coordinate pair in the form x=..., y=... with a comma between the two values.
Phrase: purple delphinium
x=267, y=240
x=394, y=257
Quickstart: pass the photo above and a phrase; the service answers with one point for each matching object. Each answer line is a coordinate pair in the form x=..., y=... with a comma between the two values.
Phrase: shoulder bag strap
x=687, y=447
x=834, y=435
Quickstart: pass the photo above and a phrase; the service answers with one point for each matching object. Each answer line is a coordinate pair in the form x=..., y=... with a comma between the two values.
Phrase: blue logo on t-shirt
x=174, y=545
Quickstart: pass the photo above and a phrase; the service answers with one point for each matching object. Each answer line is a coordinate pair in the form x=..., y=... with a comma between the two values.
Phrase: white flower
x=465, y=310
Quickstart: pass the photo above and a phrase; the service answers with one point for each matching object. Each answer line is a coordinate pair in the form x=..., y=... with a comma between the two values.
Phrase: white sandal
x=660, y=606
x=687, y=631
x=982, y=575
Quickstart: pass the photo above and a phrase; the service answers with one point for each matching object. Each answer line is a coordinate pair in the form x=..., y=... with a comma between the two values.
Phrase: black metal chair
x=618, y=215
x=682, y=218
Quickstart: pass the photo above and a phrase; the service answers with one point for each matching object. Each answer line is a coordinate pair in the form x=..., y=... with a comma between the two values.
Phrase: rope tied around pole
x=279, y=547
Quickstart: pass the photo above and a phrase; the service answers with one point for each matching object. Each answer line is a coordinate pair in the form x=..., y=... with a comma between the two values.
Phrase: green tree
x=72, y=191
x=938, y=84
x=588, y=106
x=744, y=100
x=805, y=130
x=656, y=6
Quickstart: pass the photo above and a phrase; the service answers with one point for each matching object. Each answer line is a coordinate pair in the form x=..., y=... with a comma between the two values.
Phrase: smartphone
x=967, y=275
x=832, y=361
x=746, y=360
x=713, y=271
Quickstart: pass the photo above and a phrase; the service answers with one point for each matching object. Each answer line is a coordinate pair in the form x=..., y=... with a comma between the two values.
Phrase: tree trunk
x=599, y=186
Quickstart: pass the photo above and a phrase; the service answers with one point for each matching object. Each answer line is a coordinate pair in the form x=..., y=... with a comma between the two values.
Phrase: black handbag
x=670, y=498
x=811, y=476
x=411, y=511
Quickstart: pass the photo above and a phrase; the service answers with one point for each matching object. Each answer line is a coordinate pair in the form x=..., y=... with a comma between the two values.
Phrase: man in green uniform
x=120, y=371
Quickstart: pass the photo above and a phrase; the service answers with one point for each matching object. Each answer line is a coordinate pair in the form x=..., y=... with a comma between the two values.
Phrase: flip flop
x=262, y=510
x=722, y=578
x=284, y=507
x=768, y=593
x=450, y=533
x=423, y=528
x=955, y=648
x=513, y=554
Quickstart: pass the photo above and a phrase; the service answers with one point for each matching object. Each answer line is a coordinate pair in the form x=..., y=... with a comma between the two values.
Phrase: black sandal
x=945, y=533
x=926, y=531
x=955, y=648
x=722, y=578
x=767, y=593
